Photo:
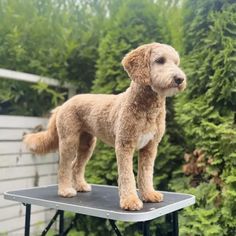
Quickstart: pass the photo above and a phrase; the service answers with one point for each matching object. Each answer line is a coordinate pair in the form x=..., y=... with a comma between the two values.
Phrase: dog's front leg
x=129, y=199
x=147, y=157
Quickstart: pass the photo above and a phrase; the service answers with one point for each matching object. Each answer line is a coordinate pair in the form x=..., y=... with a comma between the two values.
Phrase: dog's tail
x=44, y=141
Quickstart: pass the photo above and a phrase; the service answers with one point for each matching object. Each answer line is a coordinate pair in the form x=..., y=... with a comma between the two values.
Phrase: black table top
x=102, y=201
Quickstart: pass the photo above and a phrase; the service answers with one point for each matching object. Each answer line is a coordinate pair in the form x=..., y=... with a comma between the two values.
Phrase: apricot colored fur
x=132, y=120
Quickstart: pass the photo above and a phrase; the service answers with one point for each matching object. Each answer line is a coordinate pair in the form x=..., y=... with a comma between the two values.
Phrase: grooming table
x=103, y=202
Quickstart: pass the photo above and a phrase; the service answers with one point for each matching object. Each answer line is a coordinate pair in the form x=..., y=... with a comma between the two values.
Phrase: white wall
x=20, y=169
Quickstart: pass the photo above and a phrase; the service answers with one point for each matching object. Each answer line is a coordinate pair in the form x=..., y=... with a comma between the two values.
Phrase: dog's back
x=93, y=112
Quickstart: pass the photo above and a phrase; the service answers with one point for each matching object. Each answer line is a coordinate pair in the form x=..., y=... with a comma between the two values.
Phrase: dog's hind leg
x=69, y=129
x=67, y=149
x=86, y=146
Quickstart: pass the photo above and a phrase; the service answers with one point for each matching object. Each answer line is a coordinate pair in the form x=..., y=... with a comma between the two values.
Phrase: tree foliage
x=207, y=114
x=134, y=24
x=57, y=39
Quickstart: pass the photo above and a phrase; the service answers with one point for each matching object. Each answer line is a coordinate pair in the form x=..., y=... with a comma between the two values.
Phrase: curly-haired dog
x=134, y=119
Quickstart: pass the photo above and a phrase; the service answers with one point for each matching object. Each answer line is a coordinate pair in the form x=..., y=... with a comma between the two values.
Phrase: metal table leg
x=146, y=228
x=27, y=219
x=113, y=224
x=61, y=222
x=50, y=223
x=175, y=224
x=72, y=224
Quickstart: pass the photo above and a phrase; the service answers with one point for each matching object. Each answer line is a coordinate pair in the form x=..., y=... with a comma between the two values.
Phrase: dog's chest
x=144, y=139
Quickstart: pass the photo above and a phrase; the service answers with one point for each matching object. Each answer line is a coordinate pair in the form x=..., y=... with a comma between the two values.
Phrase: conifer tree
x=207, y=114
x=135, y=23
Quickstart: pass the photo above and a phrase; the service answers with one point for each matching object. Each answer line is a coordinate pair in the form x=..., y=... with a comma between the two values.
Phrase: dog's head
x=156, y=65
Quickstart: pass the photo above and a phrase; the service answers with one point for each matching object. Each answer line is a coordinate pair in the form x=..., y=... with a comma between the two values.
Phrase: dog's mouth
x=169, y=89
x=174, y=86
x=180, y=87
x=173, y=89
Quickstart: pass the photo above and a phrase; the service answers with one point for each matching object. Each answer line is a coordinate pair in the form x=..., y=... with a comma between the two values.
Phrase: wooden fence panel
x=20, y=169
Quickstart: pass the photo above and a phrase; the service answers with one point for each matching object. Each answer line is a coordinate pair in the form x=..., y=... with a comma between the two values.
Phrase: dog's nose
x=178, y=80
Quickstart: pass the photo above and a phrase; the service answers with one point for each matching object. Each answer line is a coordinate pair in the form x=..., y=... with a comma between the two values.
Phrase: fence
x=21, y=169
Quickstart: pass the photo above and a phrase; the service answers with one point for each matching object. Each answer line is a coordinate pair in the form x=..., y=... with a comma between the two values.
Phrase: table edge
x=127, y=216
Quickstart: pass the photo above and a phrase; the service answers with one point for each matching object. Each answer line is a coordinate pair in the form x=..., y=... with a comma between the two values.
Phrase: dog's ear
x=137, y=64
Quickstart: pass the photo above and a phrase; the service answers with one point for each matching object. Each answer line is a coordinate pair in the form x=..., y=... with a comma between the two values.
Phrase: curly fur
x=134, y=119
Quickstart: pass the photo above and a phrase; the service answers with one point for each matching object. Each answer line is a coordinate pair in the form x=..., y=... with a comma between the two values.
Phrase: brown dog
x=131, y=120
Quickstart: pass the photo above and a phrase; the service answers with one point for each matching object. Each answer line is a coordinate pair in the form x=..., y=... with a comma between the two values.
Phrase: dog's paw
x=152, y=196
x=131, y=203
x=83, y=187
x=67, y=192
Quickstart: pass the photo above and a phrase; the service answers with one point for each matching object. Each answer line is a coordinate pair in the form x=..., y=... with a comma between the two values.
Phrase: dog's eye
x=160, y=60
